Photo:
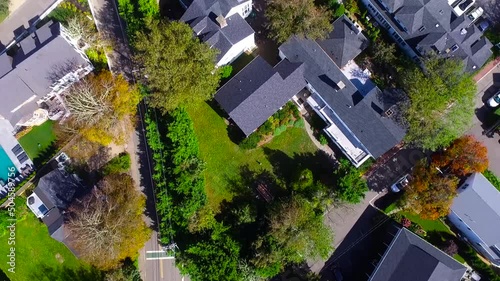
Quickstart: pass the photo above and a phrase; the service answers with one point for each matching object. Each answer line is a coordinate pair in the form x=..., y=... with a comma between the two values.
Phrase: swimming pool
x=5, y=164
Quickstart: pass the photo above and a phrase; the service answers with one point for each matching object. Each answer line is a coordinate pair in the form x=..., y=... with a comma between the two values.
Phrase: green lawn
x=428, y=225
x=224, y=158
x=38, y=256
x=43, y=135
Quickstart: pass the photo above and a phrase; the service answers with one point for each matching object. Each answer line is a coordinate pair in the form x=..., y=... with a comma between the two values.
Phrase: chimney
x=222, y=21
x=340, y=85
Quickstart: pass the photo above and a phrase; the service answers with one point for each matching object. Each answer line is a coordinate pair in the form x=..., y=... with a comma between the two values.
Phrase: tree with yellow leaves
x=102, y=108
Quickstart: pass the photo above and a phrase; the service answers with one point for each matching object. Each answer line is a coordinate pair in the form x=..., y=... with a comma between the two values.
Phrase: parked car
x=463, y=6
x=494, y=101
x=475, y=14
x=401, y=183
x=483, y=25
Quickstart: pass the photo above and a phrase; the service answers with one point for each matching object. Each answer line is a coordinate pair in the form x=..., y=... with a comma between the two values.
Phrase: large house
x=358, y=114
x=422, y=27
x=222, y=25
x=476, y=214
x=52, y=196
x=411, y=258
x=258, y=91
x=34, y=73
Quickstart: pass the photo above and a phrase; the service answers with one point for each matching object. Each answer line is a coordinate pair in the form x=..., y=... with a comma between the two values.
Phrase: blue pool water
x=5, y=164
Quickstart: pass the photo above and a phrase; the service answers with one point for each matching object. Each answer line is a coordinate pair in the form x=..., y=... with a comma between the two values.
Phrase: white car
x=494, y=101
x=463, y=6
x=401, y=183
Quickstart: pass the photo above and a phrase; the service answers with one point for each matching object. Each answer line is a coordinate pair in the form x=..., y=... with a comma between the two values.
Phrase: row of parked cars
x=473, y=13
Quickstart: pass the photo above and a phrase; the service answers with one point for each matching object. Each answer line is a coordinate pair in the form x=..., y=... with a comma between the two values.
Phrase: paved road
x=486, y=87
x=111, y=27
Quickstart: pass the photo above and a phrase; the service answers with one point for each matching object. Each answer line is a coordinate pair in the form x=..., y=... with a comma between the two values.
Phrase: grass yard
x=224, y=159
x=428, y=225
x=38, y=256
x=43, y=135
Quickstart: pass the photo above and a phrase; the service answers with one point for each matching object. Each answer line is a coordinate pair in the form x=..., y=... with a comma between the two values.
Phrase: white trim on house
x=237, y=49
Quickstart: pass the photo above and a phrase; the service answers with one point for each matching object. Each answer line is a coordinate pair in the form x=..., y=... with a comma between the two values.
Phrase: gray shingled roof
x=432, y=25
x=410, y=258
x=478, y=206
x=33, y=73
x=361, y=114
x=258, y=91
x=201, y=16
x=57, y=188
x=345, y=42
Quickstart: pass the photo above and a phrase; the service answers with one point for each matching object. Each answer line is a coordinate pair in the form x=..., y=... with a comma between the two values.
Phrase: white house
x=221, y=24
x=476, y=213
x=42, y=66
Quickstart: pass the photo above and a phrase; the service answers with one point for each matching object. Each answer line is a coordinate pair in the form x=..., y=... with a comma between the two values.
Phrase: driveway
x=341, y=219
x=491, y=9
x=487, y=87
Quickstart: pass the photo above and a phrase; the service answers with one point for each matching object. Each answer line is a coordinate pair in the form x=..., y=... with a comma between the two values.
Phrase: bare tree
x=107, y=225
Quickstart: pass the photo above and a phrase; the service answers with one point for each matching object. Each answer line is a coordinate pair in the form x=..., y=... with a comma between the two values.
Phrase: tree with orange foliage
x=429, y=193
x=466, y=155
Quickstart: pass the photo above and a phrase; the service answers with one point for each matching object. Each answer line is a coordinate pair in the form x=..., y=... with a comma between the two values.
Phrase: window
x=468, y=228
x=465, y=186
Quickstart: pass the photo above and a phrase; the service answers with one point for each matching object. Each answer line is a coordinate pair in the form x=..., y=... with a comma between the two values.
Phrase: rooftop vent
x=221, y=21
x=437, y=24
x=341, y=85
x=422, y=28
x=441, y=12
x=463, y=31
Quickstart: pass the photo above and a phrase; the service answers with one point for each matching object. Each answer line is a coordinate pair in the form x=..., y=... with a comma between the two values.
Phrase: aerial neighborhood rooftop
x=250, y=140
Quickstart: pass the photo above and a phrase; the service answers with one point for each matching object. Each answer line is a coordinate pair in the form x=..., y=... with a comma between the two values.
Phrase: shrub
x=451, y=248
x=278, y=131
x=339, y=11
x=98, y=58
x=226, y=71
x=299, y=123
x=119, y=164
x=492, y=178
x=64, y=12
x=251, y=141
x=406, y=222
x=322, y=139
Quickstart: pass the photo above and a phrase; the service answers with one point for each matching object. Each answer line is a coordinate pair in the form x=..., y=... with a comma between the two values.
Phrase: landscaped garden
x=37, y=255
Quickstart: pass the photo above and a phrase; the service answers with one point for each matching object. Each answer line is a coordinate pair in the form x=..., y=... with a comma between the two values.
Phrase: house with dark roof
x=423, y=27
x=256, y=92
x=411, y=258
x=475, y=212
x=52, y=196
x=35, y=72
x=222, y=25
x=359, y=115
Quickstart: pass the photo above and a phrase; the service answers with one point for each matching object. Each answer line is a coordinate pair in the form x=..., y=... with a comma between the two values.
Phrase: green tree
x=119, y=164
x=297, y=17
x=183, y=177
x=296, y=232
x=350, y=186
x=383, y=53
x=212, y=259
x=180, y=69
x=441, y=102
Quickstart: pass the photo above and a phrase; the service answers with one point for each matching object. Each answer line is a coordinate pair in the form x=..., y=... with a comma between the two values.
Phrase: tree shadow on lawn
x=285, y=167
x=64, y=274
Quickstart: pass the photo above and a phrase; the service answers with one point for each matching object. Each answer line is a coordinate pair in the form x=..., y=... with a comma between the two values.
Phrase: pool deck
x=7, y=142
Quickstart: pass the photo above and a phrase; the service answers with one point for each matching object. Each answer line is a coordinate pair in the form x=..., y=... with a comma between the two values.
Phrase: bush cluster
x=288, y=116
x=177, y=173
